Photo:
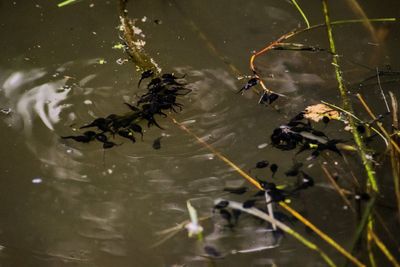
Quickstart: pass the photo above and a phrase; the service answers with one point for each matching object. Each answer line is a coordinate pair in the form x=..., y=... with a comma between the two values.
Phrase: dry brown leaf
x=318, y=111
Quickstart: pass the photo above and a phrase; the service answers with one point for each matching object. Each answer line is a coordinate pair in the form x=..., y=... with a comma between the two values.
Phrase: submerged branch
x=134, y=46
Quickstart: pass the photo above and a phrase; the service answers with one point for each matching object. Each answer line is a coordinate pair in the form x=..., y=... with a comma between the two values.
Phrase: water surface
x=69, y=204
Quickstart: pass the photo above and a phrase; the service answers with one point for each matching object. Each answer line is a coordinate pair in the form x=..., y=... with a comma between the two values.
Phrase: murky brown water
x=63, y=204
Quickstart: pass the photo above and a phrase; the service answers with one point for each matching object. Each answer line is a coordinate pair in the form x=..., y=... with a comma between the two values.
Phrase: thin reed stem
x=301, y=12
x=380, y=126
x=384, y=249
x=347, y=104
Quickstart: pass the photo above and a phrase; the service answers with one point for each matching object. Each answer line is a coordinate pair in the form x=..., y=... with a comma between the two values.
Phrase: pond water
x=64, y=203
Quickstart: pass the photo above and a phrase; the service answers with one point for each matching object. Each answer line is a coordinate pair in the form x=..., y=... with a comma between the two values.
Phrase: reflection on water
x=107, y=208
x=80, y=184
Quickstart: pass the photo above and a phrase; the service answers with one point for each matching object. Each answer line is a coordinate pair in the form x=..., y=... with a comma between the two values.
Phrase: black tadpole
x=252, y=82
x=127, y=134
x=272, y=97
x=361, y=129
x=212, y=252
x=274, y=169
x=325, y=119
x=78, y=138
x=236, y=214
x=249, y=203
x=222, y=204
x=101, y=137
x=132, y=107
x=306, y=182
x=237, y=191
x=268, y=98
x=85, y=138
x=262, y=164
x=294, y=170
x=137, y=129
x=108, y=144
x=146, y=74
x=157, y=143
x=101, y=123
x=227, y=216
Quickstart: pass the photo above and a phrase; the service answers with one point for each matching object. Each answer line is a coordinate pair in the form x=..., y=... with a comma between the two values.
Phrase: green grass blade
x=66, y=2
x=294, y=2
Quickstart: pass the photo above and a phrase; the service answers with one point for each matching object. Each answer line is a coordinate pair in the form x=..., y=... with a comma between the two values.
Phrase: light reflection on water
x=76, y=175
x=121, y=196
x=96, y=208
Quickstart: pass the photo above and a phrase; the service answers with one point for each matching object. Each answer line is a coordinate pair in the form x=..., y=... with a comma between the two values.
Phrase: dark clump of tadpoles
x=161, y=96
x=299, y=133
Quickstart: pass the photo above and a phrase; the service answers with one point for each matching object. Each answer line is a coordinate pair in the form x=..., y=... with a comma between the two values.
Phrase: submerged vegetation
x=301, y=134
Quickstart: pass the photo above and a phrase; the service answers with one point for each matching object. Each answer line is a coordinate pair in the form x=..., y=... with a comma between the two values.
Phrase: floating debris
x=101, y=61
x=319, y=111
x=194, y=228
x=5, y=111
x=37, y=180
x=261, y=146
x=118, y=46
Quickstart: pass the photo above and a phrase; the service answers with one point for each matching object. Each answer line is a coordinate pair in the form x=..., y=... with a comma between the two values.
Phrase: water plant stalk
x=384, y=249
x=294, y=2
x=347, y=104
x=372, y=181
x=394, y=155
